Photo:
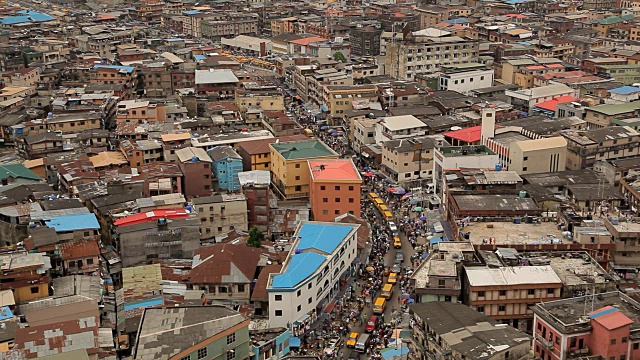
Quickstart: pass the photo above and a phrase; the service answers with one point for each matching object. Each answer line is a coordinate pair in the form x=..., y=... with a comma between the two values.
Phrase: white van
x=362, y=343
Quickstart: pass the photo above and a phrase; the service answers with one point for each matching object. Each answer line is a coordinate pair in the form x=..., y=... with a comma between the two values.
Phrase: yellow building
x=339, y=99
x=289, y=169
x=70, y=123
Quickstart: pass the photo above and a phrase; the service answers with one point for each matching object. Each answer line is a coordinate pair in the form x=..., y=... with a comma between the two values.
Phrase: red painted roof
x=307, y=41
x=468, y=135
x=613, y=320
x=151, y=216
x=554, y=66
x=552, y=104
x=335, y=169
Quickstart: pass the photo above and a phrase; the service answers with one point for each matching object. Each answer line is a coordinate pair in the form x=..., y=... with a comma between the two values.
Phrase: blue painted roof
x=191, y=12
x=457, y=21
x=126, y=68
x=73, y=222
x=36, y=16
x=300, y=267
x=604, y=311
x=625, y=90
x=15, y=20
x=323, y=237
x=5, y=313
x=294, y=341
x=199, y=57
x=143, y=303
x=174, y=39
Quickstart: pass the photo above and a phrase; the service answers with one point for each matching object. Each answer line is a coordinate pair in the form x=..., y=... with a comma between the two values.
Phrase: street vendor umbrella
x=400, y=192
x=406, y=296
x=423, y=218
x=411, y=301
x=417, y=209
x=406, y=196
x=369, y=268
x=324, y=127
x=369, y=174
x=335, y=134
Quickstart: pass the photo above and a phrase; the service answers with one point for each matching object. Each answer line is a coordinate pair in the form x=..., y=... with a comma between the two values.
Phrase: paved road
x=407, y=251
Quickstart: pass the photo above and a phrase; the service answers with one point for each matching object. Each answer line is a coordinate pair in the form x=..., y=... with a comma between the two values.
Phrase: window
x=502, y=293
x=613, y=341
x=351, y=200
x=240, y=288
x=298, y=188
x=297, y=166
x=89, y=261
x=572, y=341
x=309, y=286
x=222, y=289
x=299, y=308
x=202, y=353
x=501, y=308
x=325, y=212
x=350, y=188
x=636, y=346
x=539, y=326
x=188, y=357
x=278, y=312
x=34, y=290
x=337, y=199
x=624, y=339
x=551, y=291
x=623, y=357
x=231, y=338
x=525, y=158
x=297, y=177
x=278, y=297
x=323, y=187
x=480, y=293
x=480, y=309
x=325, y=199
x=531, y=292
x=231, y=354
x=337, y=212
x=524, y=168
x=337, y=188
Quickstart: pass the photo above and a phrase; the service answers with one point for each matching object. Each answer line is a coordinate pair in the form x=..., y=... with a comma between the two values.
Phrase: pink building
x=570, y=329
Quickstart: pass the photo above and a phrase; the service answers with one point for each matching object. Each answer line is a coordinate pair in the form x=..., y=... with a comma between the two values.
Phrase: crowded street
x=375, y=301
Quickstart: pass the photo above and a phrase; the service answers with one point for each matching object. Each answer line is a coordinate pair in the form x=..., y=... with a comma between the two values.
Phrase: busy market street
x=368, y=317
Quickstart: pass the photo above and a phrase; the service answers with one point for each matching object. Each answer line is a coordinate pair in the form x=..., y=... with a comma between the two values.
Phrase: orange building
x=334, y=188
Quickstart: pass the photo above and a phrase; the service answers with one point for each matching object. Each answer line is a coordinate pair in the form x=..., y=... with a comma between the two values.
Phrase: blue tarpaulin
x=324, y=108
x=435, y=240
x=294, y=341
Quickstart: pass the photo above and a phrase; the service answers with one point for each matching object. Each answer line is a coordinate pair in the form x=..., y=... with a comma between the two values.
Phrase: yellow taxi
x=353, y=338
x=393, y=278
x=397, y=243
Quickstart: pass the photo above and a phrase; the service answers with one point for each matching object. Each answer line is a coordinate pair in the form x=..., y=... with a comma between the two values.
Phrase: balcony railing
x=547, y=343
x=578, y=353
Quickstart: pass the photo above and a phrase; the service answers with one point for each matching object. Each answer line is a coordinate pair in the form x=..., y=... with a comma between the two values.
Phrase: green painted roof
x=17, y=171
x=610, y=20
x=615, y=109
x=303, y=149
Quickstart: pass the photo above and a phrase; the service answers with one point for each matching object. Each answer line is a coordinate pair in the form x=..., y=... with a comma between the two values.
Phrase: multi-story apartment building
x=255, y=187
x=195, y=165
x=365, y=41
x=399, y=127
x=601, y=326
x=521, y=70
x=464, y=78
x=208, y=333
x=426, y=51
x=337, y=99
x=321, y=256
x=227, y=164
x=334, y=188
x=507, y=293
x=604, y=115
x=156, y=234
x=230, y=24
x=113, y=74
x=289, y=169
x=220, y=214
x=584, y=148
x=408, y=160
x=437, y=334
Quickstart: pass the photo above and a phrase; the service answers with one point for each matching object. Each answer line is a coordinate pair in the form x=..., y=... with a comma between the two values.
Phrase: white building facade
x=321, y=257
